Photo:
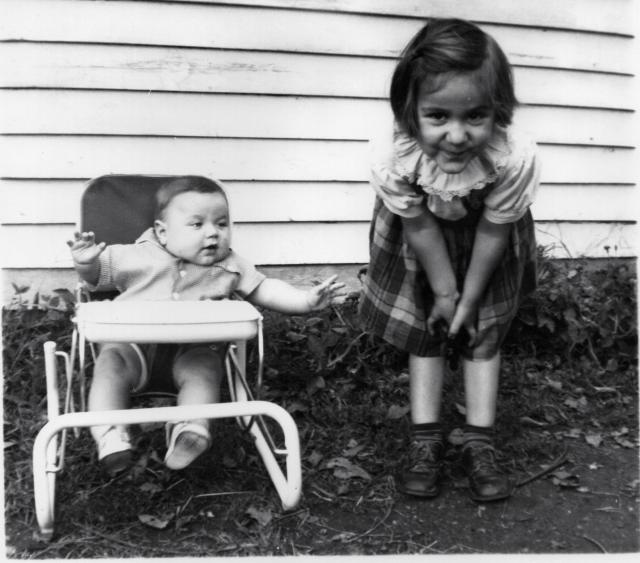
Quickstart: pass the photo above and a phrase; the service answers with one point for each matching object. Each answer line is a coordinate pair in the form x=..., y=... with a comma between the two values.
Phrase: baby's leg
x=116, y=372
x=197, y=375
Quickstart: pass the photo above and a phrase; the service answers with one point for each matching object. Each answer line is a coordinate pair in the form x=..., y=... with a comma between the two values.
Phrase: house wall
x=278, y=98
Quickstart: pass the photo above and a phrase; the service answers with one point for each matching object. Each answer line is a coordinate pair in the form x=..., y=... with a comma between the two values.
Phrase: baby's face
x=456, y=121
x=196, y=227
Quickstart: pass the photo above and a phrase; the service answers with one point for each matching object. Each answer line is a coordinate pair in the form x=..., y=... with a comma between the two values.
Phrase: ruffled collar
x=411, y=162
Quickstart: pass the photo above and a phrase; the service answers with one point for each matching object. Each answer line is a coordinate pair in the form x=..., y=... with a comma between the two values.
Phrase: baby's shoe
x=185, y=442
x=115, y=450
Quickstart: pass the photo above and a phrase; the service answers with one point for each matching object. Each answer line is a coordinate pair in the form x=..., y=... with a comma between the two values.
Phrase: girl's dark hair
x=451, y=46
x=182, y=184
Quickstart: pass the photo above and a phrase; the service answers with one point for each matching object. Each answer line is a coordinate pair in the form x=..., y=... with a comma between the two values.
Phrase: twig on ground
x=290, y=514
x=595, y=542
x=111, y=537
x=222, y=494
x=363, y=534
x=344, y=354
x=560, y=460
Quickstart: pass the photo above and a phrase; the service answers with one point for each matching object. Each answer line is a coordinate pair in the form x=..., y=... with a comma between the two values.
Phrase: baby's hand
x=84, y=249
x=321, y=295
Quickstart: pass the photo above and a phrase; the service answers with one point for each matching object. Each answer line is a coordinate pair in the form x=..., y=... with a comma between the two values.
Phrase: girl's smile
x=456, y=121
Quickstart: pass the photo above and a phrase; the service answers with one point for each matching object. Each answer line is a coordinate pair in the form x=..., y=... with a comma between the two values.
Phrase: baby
x=186, y=256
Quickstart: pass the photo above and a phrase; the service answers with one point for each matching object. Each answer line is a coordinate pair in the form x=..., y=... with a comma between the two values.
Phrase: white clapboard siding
x=203, y=70
x=46, y=202
x=278, y=99
x=216, y=115
x=260, y=159
x=294, y=243
x=288, y=30
x=613, y=16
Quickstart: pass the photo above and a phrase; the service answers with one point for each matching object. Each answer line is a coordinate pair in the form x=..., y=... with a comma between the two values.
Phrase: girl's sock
x=427, y=431
x=477, y=434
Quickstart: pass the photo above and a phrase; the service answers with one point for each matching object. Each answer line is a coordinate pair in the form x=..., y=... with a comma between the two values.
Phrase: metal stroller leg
x=45, y=489
x=288, y=487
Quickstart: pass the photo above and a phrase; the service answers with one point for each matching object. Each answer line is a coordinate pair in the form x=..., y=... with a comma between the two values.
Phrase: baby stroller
x=117, y=208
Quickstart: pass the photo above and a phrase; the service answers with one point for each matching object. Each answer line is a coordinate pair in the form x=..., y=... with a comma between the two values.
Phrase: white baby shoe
x=185, y=442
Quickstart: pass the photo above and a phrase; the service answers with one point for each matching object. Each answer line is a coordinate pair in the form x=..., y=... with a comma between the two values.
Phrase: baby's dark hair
x=451, y=46
x=182, y=184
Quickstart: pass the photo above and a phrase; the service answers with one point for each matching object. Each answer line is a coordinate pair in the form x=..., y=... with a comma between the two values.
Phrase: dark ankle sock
x=477, y=434
x=427, y=431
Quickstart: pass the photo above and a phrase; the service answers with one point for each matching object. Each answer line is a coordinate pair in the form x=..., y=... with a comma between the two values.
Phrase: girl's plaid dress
x=500, y=184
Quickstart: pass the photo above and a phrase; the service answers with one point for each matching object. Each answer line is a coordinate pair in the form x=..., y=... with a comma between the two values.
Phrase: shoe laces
x=424, y=454
x=483, y=458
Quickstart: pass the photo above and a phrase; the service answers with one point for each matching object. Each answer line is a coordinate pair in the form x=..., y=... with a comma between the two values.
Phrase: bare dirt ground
x=589, y=504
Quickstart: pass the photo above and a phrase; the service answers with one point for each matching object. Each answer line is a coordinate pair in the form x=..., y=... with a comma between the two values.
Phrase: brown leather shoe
x=421, y=477
x=486, y=481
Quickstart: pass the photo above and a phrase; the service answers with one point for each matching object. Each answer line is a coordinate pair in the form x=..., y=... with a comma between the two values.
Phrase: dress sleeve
x=249, y=278
x=516, y=186
x=390, y=186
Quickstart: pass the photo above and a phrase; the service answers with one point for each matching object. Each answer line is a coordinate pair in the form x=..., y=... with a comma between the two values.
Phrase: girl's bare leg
x=481, y=390
x=426, y=376
x=486, y=481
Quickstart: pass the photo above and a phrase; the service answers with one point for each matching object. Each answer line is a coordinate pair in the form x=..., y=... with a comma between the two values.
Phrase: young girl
x=452, y=241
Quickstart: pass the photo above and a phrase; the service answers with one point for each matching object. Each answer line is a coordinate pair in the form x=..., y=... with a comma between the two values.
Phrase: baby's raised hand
x=84, y=249
x=321, y=295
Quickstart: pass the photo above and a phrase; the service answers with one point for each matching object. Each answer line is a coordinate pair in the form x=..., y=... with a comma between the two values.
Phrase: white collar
x=415, y=166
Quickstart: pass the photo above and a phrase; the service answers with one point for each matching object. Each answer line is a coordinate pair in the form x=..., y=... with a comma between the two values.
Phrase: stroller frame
x=234, y=322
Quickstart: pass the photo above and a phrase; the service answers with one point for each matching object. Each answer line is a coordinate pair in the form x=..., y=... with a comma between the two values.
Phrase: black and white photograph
x=310, y=278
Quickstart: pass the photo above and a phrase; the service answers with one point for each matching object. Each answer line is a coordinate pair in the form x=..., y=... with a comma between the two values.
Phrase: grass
x=348, y=394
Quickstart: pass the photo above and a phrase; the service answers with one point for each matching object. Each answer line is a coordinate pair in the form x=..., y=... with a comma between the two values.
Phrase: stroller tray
x=167, y=321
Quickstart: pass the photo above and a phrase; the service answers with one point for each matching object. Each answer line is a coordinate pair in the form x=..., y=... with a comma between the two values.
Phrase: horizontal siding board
x=41, y=202
x=612, y=16
x=216, y=26
x=198, y=70
x=216, y=115
x=297, y=243
x=250, y=159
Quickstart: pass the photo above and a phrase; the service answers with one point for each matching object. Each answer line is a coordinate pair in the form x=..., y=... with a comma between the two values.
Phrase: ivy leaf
x=262, y=516
x=624, y=442
x=345, y=469
x=397, y=411
x=593, y=439
x=314, y=458
x=149, y=487
x=159, y=523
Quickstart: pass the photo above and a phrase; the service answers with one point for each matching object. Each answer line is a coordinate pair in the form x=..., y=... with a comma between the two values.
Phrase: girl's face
x=195, y=227
x=456, y=121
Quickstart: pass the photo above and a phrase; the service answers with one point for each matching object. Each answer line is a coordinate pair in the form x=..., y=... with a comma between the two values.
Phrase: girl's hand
x=84, y=249
x=321, y=295
x=465, y=317
x=443, y=310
